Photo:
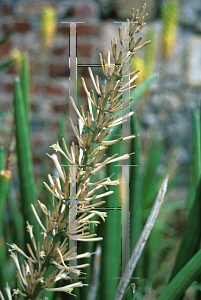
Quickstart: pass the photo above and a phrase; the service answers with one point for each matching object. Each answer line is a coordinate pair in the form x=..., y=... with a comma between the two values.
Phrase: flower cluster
x=85, y=159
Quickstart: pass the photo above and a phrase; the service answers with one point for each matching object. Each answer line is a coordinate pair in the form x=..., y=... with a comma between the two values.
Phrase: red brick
x=36, y=159
x=11, y=70
x=83, y=71
x=59, y=50
x=21, y=26
x=5, y=49
x=6, y=9
x=7, y=27
x=60, y=107
x=86, y=10
x=35, y=88
x=59, y=70
x=82, y=29
x=88, y=84
x=52, y=90
x=37, y=142
x=84, y=50
x=8, y=87
x=63, y=29
x=88, y=30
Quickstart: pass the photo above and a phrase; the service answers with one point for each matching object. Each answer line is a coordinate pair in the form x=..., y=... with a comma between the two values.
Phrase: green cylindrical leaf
x=196, y=166
x=84, y=247
x=150, y=184
x=135, y=186
x=135, y=193
x=183, y=279
x=192, y=235
x=25, y=83
x=196, y=132
x=24, y=155
x=17, y=222
x=5, y=176
x=110, y=230
x=2, y=159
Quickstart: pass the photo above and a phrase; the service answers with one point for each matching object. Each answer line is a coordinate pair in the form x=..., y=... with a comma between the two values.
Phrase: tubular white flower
x=67, y=288
x=1, y=296
x=52, y=192
x=101, y=195
x=62, y=275
x=108, y=161
x=72, y=154
x=58, y=182
x=101, y=214
x=129, y=137
x=63, y=208
x=17, y=292
x=110, y=182
x=129, y=82
x=90, y=108
x=15, y=258
x=87, y=254
x=94, y=190
x=85, y=87
x=15, y=247
x=80, y=156
x=8, y=292
x=94, y=83
x=83, y=239
x=62, y=260
x=56, y=147
x=38, y=219
x=81, y=125
x=43, y=207
x=86, y=218
x=123, y=157
x=76, y=109
x=123, y=118
x=57, y=165
x=108, y=58
x=30, y=230
x=118, y=123
x=112, y=142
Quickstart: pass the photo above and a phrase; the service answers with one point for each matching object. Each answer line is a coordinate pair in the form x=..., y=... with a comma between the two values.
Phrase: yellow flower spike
x=170, y=13
x=16, y=56
x=48, y=25
x=138, y=63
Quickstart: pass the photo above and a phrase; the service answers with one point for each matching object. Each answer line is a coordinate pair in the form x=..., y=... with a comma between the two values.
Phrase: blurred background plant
x=48, y=26
x=159, y=149
x=169, y=16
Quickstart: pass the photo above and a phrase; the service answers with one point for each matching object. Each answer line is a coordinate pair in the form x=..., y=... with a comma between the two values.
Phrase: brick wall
x=49, y=70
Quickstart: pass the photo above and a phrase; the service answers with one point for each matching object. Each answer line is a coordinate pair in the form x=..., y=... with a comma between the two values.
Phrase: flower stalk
x=88, y=157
